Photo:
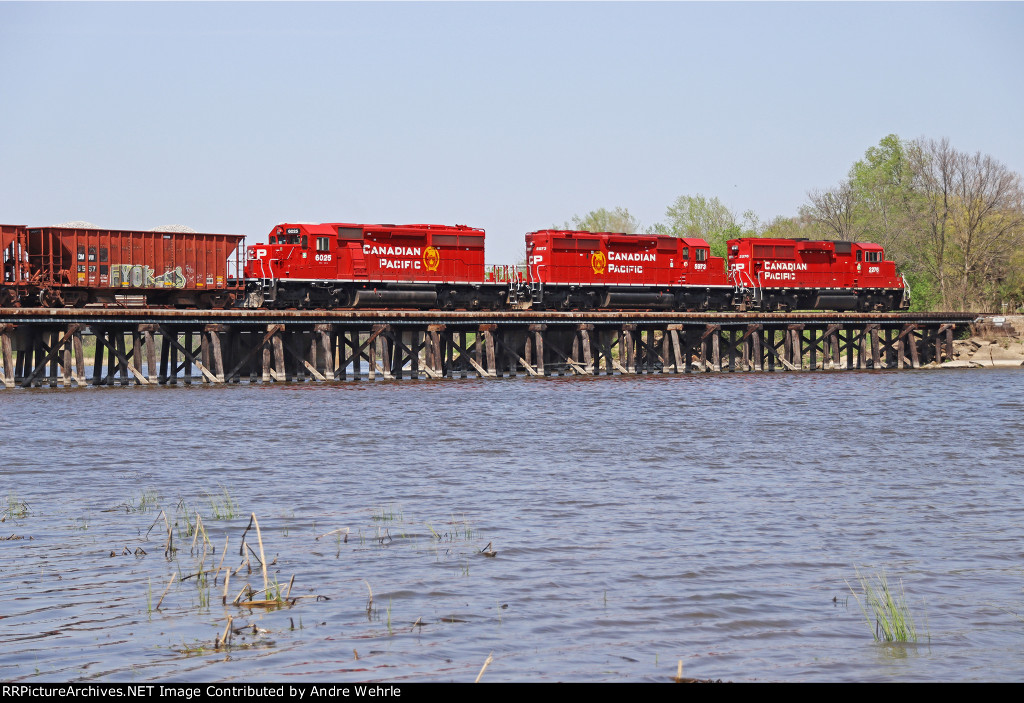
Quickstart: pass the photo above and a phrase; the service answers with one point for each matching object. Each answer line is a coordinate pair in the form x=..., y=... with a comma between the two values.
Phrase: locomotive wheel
x=341, y=299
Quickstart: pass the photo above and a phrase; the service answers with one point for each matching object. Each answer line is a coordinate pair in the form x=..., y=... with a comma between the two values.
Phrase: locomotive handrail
x=502, y=273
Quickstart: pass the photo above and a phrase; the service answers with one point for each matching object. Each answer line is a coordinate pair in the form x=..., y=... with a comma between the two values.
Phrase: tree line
x=952, y=221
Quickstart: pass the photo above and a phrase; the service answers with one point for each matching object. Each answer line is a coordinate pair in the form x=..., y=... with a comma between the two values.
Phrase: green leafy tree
x=876, y=202
x=701, y=217
x=792, y=227
x=602, y=220
x=886, y=202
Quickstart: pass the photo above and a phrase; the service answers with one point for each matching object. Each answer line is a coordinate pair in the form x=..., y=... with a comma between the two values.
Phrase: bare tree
x=990, y=222
x=834, y=209
x=973, y=209
x=932, y=166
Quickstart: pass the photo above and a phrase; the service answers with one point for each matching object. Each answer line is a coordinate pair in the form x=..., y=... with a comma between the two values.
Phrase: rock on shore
x=994, y=341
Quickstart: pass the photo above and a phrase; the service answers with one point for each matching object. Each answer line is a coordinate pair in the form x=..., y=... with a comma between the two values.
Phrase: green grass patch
x=885, y=609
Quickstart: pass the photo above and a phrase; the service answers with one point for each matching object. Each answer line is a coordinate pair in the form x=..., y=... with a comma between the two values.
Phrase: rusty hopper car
x=69, y=267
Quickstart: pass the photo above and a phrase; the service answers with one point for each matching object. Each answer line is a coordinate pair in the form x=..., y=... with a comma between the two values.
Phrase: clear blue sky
x=232, y=117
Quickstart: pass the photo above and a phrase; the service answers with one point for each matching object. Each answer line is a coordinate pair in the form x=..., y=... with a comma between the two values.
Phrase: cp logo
x=431, y=258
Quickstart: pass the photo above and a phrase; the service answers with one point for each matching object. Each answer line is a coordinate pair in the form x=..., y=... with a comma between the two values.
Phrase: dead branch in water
x=334, y=532
x=165, y=592
x=226, y=637
x=490, y=658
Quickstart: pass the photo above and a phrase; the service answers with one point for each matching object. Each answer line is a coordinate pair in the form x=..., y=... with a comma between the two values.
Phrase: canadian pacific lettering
x=630, y=256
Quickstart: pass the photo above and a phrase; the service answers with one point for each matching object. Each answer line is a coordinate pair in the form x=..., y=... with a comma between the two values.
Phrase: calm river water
x=720, y=520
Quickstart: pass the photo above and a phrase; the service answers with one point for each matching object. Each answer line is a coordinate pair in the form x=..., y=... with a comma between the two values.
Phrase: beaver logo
x=431, y=258
x=598, y=262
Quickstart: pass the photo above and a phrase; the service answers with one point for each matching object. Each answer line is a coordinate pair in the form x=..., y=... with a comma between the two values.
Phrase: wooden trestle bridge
x=47, y=347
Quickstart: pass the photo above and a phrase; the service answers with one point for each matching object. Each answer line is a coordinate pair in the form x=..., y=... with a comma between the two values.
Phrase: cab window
x=323, y=244
x=686, y=252
x=701, y=254
x=860, y=256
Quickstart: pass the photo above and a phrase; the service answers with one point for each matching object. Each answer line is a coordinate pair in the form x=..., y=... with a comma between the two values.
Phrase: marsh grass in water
x=275, y=591
x=388, y=514
x=186, y=525
x=203, y=589
x=892, y=619
x=16, y=508
x=146, y=501
x=223, y=506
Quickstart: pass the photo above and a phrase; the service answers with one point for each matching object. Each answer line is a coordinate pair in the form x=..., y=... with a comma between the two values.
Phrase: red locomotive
x=573, y=270
x=74, y=266
x=350, y=265
x=796, y=274
x=345, y=265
